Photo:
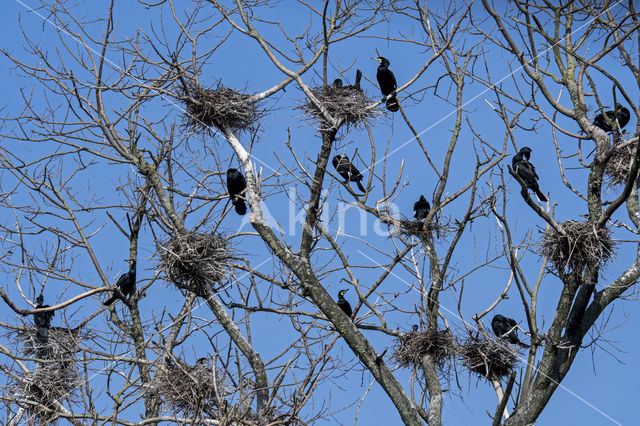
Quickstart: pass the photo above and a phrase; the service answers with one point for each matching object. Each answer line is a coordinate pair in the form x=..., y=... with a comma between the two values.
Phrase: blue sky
x=600, y=389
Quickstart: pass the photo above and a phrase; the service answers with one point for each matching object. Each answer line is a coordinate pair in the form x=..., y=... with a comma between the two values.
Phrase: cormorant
x=415, y=328
x=236, y=184
x=387, y=83
x=126, y=285
x=621, y=113
x=527, y=172
x=42, y=321
x=347, y=170
x=506, y=328
x=421, y=208
x=337, y=82
x=356, y=85
x=343, y=304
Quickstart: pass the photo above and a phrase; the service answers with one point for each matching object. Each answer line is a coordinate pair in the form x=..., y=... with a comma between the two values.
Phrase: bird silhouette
x=42, y=321
x=527, y=172
x=387, y=83
x=347, y=170
x=236, y=184
x=343, y=304
x=506, y=328
x=620, y=113
x=125, y=286
x=421, y=208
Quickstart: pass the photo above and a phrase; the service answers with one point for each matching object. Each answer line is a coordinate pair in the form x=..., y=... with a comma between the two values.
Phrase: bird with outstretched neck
x=236, y=185
x=506, y=328
x=527, y=172
x=343, y=304
x=125, y=286
x=348, y=171
x=387, y=83
x=421, y=208
x=621, y=114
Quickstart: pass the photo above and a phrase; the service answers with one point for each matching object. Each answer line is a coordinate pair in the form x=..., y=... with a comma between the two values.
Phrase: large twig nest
x=492, y=359
x=414, y=345
x=619, y=164
x=583, y=245
x=39, y=392
x=193, y=390
x=347, y=103
x=200, y=263
x=219, y=107
x=60, y=343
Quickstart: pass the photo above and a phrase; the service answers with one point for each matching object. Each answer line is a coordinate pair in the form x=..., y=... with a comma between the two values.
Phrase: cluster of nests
x=348, y=104
x=200, y=263
x=191, y=390
x=220, y=108
x=619, y=164
x=583, y=245
x=41, y=391
x=492, y=359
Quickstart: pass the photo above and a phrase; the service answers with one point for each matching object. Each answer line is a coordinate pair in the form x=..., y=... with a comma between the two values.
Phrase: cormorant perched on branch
x=421, y=208
x=527, y=171
x=347, y=170
x=506, y=328
x=42, y=321
x=387, y=83
x=125, y=286
x=343, y=304
x=620, y=113
x=236, y=184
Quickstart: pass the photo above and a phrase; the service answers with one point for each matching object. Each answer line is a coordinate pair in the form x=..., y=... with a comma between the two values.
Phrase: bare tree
x=117, y=160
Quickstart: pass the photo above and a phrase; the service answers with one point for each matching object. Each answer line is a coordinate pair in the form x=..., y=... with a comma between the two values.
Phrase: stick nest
x=412, y=346
x=492, y=359
x=41, y=388
x=583, y=245
x=219, y=107
x=347, y=103
x=200, y=263
x=619, y=164
x=415, y=227
x=190, y=389
x=61, y=343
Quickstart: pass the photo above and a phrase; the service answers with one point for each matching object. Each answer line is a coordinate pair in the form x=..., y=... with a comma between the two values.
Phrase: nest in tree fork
x=190, y=389
x=348, y=104
x=582, y=245
x=60, y=343
x=219, y=107
x=414, y=345
x=491, y=359
x=619, y=164
x=39, y=390
x=200, y=263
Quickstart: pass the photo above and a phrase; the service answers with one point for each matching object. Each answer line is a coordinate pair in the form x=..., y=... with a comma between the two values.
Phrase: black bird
x=421, y=208
x=343, y=304
x=347, y=170
x=126, y=285
x=42, y=321
x=356, y=85
x=527, y=172
x=236, y=184
x=387, y=83
x=337, y=82
x=621, y=113
x=415, y=328
x=506, y=328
